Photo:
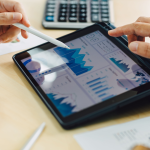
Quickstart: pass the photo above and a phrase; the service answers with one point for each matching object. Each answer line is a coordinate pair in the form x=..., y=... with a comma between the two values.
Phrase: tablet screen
x=92, y=71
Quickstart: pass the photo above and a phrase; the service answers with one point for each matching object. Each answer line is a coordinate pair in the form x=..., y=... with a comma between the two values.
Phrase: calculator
x=76, y=14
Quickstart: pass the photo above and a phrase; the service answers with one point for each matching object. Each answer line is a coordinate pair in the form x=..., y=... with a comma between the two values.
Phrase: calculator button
x=50, y=14
x=105, y=19
x=94, y=6
x=51, y=2
x=94, y=3
x=104, y=3
x=63, y=6
x=95, y=17
x=73, y=19
x=73, y=6
x=49, y=18
x=104, y=7
x=82, y=19
x=73, y=10
x=62, y=19
x=63, y=2
x=82, y=6
x=82, y=2
x=95, y=11
x=63, y=10
x=50, y=6
x=50, y=10
x=82, y=14
x=105, y=15
x=104, y=11
x=73, y=15
x=63, y=14
x=82, y=10
x=73, y=2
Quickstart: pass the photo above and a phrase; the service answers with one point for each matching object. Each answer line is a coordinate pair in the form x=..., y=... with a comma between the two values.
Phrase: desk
x=22, y=111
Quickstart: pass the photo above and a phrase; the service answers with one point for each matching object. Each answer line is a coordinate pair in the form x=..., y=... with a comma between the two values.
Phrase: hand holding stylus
x=11, y=12
x=136, y=32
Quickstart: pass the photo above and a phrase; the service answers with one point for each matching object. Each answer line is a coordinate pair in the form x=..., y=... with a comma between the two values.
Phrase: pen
x=34, y=137
x=41, y=35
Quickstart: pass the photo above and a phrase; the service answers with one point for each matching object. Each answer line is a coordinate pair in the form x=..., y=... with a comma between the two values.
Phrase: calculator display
x=92, y=71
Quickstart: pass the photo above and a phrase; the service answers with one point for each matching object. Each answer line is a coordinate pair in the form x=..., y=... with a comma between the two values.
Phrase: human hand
x=140, y=148
x=136, y=33
x=11, y=12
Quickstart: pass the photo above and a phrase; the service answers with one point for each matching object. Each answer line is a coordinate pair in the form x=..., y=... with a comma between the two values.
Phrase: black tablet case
x=70, y=125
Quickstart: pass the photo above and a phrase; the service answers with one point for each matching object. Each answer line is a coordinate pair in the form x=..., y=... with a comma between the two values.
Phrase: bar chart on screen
x=102, y=83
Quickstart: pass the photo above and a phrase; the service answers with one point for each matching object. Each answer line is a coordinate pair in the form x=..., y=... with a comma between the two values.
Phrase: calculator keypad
x=80, y=11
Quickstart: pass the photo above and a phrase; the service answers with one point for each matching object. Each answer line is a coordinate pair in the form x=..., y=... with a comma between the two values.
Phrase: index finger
x=13, y=6
x=137, y=28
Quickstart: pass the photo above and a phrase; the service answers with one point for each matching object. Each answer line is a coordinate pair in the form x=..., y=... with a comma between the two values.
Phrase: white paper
x=22, y=45
x=118, y=137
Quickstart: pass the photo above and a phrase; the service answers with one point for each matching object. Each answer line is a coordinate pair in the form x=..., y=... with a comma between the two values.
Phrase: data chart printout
x=92, y=71
x=118, y=137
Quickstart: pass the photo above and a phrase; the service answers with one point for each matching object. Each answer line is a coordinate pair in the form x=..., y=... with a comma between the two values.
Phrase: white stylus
x=34, y=137
x=41, y=35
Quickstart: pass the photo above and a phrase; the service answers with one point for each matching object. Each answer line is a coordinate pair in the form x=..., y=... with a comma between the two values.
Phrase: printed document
x=118, y=137
x=21, y=44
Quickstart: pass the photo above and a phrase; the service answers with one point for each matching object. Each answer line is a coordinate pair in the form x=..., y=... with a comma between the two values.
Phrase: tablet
x=96, y=75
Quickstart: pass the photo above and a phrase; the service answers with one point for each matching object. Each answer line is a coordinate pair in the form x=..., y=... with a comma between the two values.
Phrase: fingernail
x=111, y=31
x=133, y=46
x=17, y=16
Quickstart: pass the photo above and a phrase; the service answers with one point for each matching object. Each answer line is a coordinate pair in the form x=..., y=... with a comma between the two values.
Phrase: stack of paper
x=22, y=45
x=118, y=137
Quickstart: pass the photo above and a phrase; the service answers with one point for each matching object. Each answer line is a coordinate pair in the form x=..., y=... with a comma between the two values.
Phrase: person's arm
x=11, y=12
x=136, y=33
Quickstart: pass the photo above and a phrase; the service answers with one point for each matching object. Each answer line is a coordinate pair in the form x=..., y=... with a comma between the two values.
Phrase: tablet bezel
x=88, y=111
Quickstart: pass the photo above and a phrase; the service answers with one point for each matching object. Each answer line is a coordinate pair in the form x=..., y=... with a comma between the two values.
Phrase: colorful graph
x=73, y=59
x=123, y=66
x=100, y=87
x=62, y=103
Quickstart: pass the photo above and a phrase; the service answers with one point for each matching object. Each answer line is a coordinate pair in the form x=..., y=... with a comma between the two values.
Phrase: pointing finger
x=137, y=28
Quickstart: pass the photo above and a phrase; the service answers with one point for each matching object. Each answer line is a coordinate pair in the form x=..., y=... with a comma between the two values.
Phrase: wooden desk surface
x=22, y=111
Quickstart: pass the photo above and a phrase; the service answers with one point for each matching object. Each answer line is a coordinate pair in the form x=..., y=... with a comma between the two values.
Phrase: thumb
x=140, y=48
x=8, y=18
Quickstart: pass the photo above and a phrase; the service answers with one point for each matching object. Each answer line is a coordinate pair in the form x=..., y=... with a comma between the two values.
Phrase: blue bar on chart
x=99, y=87
x=95, y=80
x=97, y=83
x=102, y=95
x=103, y=90
x=108, y=97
